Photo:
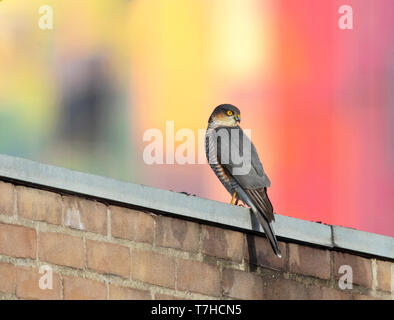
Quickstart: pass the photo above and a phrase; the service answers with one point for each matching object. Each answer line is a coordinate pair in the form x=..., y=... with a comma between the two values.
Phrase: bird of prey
x=234, y=159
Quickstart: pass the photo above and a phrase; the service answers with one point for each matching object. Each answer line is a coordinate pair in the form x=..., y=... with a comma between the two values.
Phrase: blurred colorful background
x=318, y=100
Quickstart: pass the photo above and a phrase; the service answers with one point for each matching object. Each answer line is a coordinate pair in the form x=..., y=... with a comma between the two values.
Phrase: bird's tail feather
x=267, y=226
x=269, y=232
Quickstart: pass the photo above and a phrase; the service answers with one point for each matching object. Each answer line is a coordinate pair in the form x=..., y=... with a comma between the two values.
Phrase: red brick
x=123, y=293
x=85, y=214
x=259, y=252
x=27, y=285
x=7, y=277
x=17, y=241
x=6, y=198
x=242, y=285
x=83, y=289
x=222, y=243
x=61, y=249
x=309, y=261
x=108, y=258
x=361, y=267
x=131, y=224
x=385, y=274
x=324, y=293
x=152, y=267
x=198, y=277
x=35, y=204
x=177, y=233
x=278, y=288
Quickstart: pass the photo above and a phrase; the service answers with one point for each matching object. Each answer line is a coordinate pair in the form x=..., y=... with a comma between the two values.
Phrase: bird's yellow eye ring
x=229, y=113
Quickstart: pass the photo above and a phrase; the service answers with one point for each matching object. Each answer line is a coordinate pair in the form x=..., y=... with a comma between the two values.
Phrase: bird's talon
x=234, y=199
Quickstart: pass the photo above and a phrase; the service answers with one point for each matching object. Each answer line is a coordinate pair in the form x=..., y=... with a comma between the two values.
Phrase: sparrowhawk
x=234, y=159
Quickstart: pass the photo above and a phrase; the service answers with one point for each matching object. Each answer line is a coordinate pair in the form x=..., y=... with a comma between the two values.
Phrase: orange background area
x=318, y=99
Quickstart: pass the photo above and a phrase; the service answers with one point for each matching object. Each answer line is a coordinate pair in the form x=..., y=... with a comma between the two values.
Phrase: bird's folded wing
x=229, y=144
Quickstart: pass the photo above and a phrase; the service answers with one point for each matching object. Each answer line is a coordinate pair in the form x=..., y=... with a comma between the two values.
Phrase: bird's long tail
x=267, y=226
x=269, y=232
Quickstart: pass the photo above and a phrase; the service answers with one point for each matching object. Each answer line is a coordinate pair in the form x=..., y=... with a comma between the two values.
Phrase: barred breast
x=211, y=153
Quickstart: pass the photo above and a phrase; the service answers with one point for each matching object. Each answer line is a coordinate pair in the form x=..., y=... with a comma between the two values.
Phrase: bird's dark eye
x=229, y=113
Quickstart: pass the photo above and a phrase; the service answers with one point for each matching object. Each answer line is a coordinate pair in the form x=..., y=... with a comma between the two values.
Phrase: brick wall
x=102, y=251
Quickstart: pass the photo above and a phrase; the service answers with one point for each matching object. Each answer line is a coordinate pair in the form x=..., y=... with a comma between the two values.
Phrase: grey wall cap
x=361, y=241
x=30, y=172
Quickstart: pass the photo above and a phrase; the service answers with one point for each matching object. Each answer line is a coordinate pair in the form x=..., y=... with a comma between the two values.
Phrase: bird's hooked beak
x=237, y=118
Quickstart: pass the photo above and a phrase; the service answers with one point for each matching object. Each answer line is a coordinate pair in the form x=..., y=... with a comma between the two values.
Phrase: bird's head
x=225, y=115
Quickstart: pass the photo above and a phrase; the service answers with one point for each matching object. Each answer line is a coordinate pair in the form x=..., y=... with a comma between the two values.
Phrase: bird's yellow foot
x=234, y=198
